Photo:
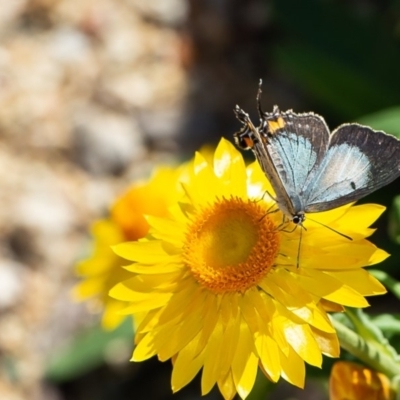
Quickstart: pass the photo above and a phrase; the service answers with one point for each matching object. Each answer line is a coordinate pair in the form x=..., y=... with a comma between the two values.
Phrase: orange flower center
x=231, y=245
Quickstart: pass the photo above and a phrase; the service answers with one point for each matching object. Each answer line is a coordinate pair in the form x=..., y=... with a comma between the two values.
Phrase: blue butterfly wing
x=250, y=137
x=359, y=161
x=296, y=144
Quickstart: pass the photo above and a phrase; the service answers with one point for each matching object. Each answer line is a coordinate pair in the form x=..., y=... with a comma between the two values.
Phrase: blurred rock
x=105, y=142
x=23, y=245
x=161, y=127
x=170, y=12
x=11, y=285
x=68, y=45
x=9, y=14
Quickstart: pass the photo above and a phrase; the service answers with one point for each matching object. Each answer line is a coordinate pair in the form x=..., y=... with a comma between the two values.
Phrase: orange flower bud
x=351, y=381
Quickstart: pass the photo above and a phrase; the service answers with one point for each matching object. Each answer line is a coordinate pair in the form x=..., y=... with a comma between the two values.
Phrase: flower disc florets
x=231, y=245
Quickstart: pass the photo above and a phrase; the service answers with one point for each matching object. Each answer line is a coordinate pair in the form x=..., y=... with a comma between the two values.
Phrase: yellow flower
x=351, y=381
x=103, y=269
x=220, y=289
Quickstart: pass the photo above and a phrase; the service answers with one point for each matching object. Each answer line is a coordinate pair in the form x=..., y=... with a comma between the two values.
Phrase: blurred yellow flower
x=103, y=269
x=351, y=381
x=218, y=284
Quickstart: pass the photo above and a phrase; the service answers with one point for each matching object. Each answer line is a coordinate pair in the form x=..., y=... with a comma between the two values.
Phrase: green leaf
x=89, y=350
x=370, y=332
x=390, y=283
x=389, y=324
x=387, y=120
x=344, y=60
x=394, y=220
x=327, y=78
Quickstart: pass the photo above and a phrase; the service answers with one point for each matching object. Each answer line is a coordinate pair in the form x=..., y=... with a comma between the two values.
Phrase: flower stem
x=365, y=351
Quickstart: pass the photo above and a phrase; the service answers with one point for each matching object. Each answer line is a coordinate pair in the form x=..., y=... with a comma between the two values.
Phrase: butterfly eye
x=298, y=219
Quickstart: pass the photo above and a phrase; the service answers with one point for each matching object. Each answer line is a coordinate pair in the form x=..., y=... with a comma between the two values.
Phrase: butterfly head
x=298, y=218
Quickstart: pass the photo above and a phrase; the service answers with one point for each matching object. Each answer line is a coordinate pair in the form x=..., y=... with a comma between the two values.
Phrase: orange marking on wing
x=274, y=125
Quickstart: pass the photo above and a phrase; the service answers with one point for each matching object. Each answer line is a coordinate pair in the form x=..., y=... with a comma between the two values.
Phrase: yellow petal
x=245, y=363
x=227, y=387
x=229, y=308
x=122, y=292
x=187, y=294
x=273, y=288
x=293, y=368
x=111, y=317
x=187, y=365
x=359, y=280
x=262, y=303
x=348, y=297
x=149, y=284
x=270, y=336
x=378, y=257
x=268, y=352
x=229, y=344
x=211, y=305
x=328, y=306
x=315, y=317
x=99, y=264
x=169, y=344
x=327, y=217
x=166, y=229
x=145, y=348
x=198, y=190
x=363, y=216
x=230, y=168
x=200, y=163
x=348, y=219
x=300, y=337
x=212, y=360
x=159, y=268
x=258, y=185
x=146, y=303
x=344, y=255
x=179, y=321
x=291, y=293
x=147, y=322
x=150, y=252
x=327, y=342
x=277, y=331
x=88, y=288
x=249, y=312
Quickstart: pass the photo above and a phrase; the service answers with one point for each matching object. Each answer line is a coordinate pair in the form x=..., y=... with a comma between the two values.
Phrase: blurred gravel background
x=91, y=95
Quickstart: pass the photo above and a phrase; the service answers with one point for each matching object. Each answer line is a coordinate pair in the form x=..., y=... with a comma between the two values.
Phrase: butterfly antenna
x=259, y=91
x=331, y=229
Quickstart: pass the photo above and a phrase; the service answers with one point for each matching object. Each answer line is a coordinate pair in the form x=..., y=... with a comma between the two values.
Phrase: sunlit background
x=94, y=94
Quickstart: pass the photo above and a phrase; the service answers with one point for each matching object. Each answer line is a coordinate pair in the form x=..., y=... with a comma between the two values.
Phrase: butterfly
x=312, y=169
